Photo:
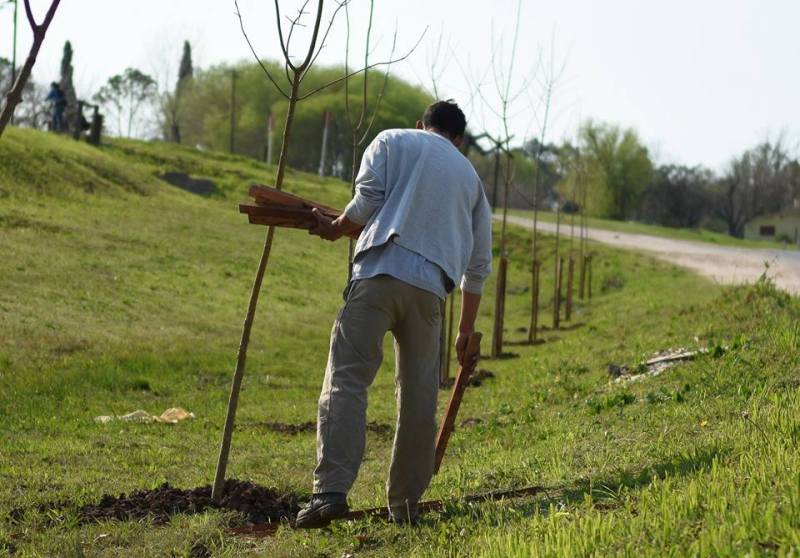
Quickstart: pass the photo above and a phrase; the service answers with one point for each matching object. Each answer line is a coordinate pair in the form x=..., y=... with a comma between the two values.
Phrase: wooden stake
x=589, y=276
x=557, y=294
x=534, y=325
x=570, y=279
x=582, y=279
x=499, y=308
x=456, y=395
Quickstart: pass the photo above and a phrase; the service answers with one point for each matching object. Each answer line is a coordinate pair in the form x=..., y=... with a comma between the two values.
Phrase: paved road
x=723, y=264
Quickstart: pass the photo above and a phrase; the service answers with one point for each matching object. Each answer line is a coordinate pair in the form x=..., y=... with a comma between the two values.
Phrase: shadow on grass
x=526, y=343
x=607, y=494
x=501, y=356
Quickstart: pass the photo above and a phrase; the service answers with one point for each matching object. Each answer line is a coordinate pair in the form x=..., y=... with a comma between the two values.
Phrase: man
x=59, y=100
x=426, y=225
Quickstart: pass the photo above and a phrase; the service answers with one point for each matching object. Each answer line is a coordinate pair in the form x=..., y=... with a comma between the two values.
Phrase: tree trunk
x=15, y=95
x=222, y=463
x=499, y=308
x=534, y=325
x=570, y=283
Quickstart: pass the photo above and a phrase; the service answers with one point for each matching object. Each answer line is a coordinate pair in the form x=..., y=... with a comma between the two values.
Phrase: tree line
x=232, y=107
x=622, y=181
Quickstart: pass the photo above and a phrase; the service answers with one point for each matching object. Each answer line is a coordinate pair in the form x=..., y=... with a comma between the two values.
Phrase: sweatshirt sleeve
x=480, y=262
x=370, y=183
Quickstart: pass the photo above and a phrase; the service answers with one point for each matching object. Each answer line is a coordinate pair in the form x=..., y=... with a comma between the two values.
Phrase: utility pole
x=13, y=54
x=268, y=152
x=326, y=123
x=233, y=110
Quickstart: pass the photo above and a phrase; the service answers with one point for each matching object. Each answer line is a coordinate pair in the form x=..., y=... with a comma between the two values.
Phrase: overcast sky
x=700, y=80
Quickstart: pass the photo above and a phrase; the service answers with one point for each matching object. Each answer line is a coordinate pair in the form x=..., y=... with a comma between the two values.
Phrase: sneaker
x=321, y=510
x=408, y=515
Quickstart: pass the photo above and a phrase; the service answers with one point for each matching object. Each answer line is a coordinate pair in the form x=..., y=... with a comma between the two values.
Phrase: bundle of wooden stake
x=279, y=209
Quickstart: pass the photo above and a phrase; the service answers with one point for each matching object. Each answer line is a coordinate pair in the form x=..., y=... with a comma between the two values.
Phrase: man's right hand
x=461, y=350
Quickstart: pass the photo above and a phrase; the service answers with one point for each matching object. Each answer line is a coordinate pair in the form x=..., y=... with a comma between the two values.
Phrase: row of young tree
x=622, y=181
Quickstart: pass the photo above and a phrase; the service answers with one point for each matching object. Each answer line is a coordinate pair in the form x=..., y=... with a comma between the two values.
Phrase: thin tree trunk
x=535, y=288
x=570, y=282
x=499, y=308
x=230, y=419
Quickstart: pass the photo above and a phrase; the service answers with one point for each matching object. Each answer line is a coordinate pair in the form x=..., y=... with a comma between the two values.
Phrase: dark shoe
x=404, y=516
x=321, y=510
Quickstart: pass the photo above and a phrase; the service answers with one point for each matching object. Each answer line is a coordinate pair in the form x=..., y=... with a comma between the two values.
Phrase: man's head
x=446, y=119
x=55, y=85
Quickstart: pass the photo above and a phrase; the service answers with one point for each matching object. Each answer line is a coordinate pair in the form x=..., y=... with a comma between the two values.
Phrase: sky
x=699, y=80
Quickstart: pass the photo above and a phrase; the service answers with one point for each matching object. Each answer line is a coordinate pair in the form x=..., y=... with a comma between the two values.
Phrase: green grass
x=119, y=292
x=697, y=235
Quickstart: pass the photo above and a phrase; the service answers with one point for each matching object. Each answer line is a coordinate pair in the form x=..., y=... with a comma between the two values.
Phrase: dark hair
x=55, y=85
x=446, y=117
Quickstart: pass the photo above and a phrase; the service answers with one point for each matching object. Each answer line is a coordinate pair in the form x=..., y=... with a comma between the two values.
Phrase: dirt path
x=723, y=264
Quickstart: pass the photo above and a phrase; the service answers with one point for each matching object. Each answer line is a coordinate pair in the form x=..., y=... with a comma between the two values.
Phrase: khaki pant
x=373, y=307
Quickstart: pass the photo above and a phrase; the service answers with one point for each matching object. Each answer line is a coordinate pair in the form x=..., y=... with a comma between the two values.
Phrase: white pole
x=326, y=127
x=269, y=139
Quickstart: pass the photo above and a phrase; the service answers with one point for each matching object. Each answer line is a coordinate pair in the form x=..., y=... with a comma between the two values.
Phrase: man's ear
x=458, y=140
x=420, y=125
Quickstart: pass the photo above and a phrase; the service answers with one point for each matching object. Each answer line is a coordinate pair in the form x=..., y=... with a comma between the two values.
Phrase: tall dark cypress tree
x=185, y=75
x=186, y=70
x=66, y=76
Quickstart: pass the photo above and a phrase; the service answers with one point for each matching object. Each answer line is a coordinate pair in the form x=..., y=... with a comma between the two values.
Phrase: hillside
x=120, y=292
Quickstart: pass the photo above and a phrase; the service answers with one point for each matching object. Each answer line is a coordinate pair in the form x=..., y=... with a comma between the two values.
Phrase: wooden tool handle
x=459, y=386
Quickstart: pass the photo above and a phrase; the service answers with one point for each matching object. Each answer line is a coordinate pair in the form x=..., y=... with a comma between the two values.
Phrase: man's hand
x=461, y=350
x=326, y=228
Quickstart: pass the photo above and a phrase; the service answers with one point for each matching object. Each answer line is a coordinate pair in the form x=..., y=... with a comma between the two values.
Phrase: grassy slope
x=696, y=235
x=118, y=292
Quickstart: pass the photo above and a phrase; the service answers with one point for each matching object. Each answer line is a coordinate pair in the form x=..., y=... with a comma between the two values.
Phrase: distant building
x=781, y=227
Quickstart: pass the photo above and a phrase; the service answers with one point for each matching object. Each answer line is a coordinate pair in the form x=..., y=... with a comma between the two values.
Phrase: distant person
x=59, y=104
x=426, y=226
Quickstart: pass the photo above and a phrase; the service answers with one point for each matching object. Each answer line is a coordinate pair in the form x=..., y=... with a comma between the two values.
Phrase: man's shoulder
x=398, y=134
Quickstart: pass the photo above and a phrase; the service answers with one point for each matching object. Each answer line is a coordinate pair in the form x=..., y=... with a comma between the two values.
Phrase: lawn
x=120, y=292
x=633, y=227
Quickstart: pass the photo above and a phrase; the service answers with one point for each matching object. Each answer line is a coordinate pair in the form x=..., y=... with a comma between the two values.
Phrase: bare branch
x=295, y=23
x=381, y=94
x=284, y=47
x=347, y=68
x=366, y=65
x=373, y=65
x=29, y=14
x=340, y=5
x=253, y=50
x=312, y=47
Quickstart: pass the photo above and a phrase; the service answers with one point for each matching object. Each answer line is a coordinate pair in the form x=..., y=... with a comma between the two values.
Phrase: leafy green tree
x=617, y=167
x=124, y=95
x=67, y=72
x=205, y=116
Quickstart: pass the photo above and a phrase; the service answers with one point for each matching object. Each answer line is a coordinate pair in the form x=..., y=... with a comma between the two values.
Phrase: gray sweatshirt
x=415, y=188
